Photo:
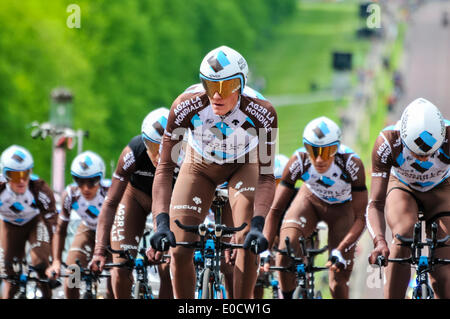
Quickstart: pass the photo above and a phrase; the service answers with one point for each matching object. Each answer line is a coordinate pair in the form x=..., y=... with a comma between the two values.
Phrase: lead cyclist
x=232, y=132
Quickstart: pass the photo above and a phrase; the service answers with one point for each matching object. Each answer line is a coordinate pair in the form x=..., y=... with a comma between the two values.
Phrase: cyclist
x=85, y=197
x=334, y=192
x=28, y=213
x=123, y=215
x=232, y=132
x=410, y=170
x=263, y=276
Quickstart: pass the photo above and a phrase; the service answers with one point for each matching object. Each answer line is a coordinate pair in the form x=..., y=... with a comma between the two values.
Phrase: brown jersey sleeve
x=180, y=115
x=126, y=165
x=355, y=168
x=264, y=116
x=381, y=166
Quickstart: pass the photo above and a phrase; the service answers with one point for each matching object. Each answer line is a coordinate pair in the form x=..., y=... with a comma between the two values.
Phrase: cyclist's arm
x=265, y=189
x=381, y=165
x=283, y=196
x=125, y=166
x=47, y=205
x=59, y=237
x=359, y=204
x=172, y=141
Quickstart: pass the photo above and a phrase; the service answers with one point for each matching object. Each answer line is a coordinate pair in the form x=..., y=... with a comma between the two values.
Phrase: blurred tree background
x=127, y=58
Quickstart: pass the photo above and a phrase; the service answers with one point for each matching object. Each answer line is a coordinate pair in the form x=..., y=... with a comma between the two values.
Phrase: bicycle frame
x=423, y=264
x=208, y=257
x=304, y=271
x=141, y=288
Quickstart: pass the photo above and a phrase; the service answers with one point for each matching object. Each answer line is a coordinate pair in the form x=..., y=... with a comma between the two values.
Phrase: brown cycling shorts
x=431, y=203
x=129, y=222
x=13, y=241
x=307, y=210
x=82, y=246
x=196, y=184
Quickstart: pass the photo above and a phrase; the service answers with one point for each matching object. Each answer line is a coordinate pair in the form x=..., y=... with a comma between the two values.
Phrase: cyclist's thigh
x=401, y=209
x=82, y=246
x=191, y=198
x=39, y=239
x=436, y=200
x=340, y=219
x=13, y=243
x=302, y=214
x=129, y=222
x=443, y=230
x=241, y=189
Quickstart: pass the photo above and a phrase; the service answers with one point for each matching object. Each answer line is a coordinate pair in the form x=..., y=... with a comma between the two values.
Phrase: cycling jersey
x=227, y=139
x=134, y=167
x=88, y=210
x=19, y=209
x=391, y=156
x=336, y=184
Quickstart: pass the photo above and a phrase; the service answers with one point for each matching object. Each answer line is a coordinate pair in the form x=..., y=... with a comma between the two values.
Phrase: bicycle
x=90, y=279
x=423, y=264
x=141, y=287
x=207, y=259
x=304, y=271
x=25, y=274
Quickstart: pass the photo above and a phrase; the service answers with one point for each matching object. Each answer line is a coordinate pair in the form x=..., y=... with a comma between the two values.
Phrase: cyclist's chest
x=18, y=208
x=332, y=186
x=411, y=168
x=88, y=210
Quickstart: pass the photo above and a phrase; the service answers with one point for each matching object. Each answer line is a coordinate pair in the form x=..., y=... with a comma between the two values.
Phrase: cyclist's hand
x=380, y=249
x=255, y=239
x=336, y=262
x=154, y=256
x=97, y=263
x=230, y=256
x=163, y=237
x=54, y=270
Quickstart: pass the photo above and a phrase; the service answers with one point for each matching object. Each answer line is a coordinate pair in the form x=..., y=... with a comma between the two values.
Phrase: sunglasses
x=89, y=182
x=224, y=88
x=325, y=152
x=17, y=176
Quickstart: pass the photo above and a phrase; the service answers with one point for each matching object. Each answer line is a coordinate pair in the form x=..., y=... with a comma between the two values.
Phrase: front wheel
x=140, y=291
x=206, y=284
x=299, y=293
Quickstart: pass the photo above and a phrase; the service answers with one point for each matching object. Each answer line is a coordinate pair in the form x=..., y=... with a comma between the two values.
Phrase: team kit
x=202, y=196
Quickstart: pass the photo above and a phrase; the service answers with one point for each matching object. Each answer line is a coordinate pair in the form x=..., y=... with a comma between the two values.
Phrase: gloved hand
x=336, y=262
x=163, y=237
x=255, y=239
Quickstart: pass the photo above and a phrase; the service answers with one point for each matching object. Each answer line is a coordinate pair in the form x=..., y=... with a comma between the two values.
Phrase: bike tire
x=318, y=295
x=138, y=291
x=299, y=293
x=206, y=285
x=424, y=291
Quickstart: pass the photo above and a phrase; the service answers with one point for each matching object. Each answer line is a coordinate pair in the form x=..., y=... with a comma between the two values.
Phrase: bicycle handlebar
x=202, y=228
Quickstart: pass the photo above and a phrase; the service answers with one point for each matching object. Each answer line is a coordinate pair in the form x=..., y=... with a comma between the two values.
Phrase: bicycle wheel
x=424, y=289
x=299, y=293
x=139, y=291
x=206, y=285
x=318, y=295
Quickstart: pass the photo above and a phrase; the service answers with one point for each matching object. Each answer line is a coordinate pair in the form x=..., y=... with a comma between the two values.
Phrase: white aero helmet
x=154, y=125
x=16, y=158
x=322, y=132
x=280, y=162
x=422, y=127
x=322, y=137
x=224, y=63
x=87, y=165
